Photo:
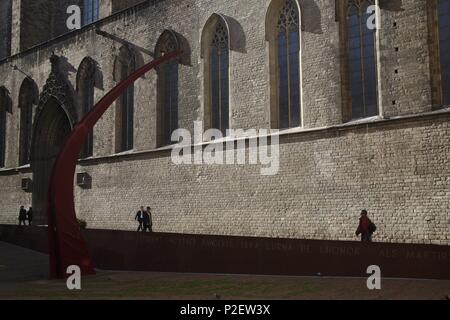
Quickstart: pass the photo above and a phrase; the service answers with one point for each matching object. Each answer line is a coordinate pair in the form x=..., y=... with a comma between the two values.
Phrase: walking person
x=30, y=216
x=365, y=228
x=140, y=218
x=22, y=216
x=148, y=223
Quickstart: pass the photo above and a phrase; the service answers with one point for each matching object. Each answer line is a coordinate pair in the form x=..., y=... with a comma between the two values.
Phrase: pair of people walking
x=144, y=217
x=25, y=215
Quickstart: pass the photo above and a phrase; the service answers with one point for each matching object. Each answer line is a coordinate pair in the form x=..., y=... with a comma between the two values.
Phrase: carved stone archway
x=54, y=120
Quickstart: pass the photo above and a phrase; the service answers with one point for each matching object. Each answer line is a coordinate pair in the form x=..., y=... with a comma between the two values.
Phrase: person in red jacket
x=364, y=227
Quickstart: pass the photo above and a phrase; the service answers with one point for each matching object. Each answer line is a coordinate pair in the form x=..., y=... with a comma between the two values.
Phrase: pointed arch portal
x=66, y=245
x=52, y=127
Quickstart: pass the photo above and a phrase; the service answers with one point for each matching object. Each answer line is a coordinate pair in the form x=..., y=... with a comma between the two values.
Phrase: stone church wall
x=397, y=169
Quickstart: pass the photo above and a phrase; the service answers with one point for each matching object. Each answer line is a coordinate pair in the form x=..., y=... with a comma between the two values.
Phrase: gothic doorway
x=52, y=126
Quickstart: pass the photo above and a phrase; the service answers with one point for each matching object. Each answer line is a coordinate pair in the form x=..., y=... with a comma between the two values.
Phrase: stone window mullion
x=289, y=81
x=219, y=78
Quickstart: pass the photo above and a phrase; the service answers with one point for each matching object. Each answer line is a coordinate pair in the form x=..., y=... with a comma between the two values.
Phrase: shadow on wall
x=98, y=76
x=388, y=5
x=392, y=5
x=185, y=59
x=238, y=39
x=311, y=17
x=236, y=34
x=65, y=70
x=6, y=100
x=138, y=59
x=124, y=42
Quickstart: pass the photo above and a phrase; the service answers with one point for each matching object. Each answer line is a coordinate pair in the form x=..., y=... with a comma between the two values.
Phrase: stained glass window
x=126, y=102
x=26, y=97
x=168, y=89
x=90, y=11
x=127, y=117
x=288, y=63
x=444, y=47
x=85, y=87
x=362, y=61
x=219, y=60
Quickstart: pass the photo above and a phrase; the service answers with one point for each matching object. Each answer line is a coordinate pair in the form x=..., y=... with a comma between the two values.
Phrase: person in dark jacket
x=140, y=218
x=364, y=227
x=22, y=215
x=30, y=216
x=148, y=223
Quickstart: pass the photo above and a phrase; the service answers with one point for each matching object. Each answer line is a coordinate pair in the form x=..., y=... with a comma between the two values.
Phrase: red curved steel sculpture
x=66, y=244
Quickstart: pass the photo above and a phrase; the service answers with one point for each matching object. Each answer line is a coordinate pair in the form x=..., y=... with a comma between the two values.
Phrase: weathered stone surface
x=398, y=170
x=5, y=28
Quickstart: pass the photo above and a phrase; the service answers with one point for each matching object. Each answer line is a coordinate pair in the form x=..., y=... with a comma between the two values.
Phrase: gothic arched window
x=220, y=61
x=444, y=46
x=91, y=10
x=27, y=99
x=124, y=66
x=216, y=54
x=439, y=26
x=283, y=25
x=361, y=61
x=288, y=65
x=167, y=89
x=86, y=88
x=3, y=109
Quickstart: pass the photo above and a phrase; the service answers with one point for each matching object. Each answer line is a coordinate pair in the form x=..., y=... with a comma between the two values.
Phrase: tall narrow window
x=3, y=108
x=90, y=11
x=219, y=78
x=288, y=65
x=27, y=98
x=283, y=33
x=444, y=48
x=124, y=66
x=167, y=89
x=361, y=61
x=85, y=88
